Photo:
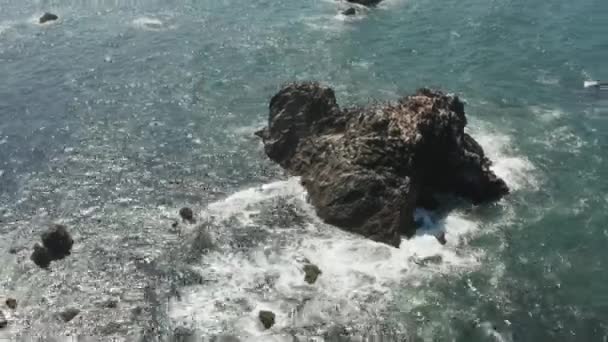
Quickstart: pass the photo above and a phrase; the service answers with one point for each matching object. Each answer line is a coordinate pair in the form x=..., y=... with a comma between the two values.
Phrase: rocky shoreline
x=367, y=168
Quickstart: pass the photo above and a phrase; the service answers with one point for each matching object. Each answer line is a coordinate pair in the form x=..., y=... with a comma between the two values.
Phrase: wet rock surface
x=349, y=11
x=366, y=3
x=311, y=273
x=69, y=314
x=41, y=256
x=58, y=241
x=365, y=168
x=46, y=17
x=3, y=321
x=11, y=303
x=267, y=318
x=57, y=244
x=187, y=215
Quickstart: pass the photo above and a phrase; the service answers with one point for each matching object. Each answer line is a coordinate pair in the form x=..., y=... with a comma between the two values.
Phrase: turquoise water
x=120, y=113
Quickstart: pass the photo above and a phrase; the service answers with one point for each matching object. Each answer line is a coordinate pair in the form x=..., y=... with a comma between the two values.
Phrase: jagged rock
x=349, y=11
x=11, y=303
x=311, y=273
x=3, y=321
x=57, y=241
x=365, y=168
x=48, y=17
x=41, y=256
x=267, y=318
x=366, y=3
x=187, y=214
x=69, y=314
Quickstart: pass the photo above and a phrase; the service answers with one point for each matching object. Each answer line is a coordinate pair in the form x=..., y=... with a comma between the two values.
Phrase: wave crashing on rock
x=367, y=168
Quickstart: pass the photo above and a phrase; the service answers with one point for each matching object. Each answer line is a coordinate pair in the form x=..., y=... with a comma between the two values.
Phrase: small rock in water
x=69, y=314
x=349, y=11
x=58, y=241
x=11, y=303
x=41, y=256
x=311, y=272
x=174, y=224
x=48, y=17
x=433, y=259
x=367, y=3
x=3, y=321
x=13, y=250
x=187, y=214
x=441, y=238
x=110, y=303
x=267, y=318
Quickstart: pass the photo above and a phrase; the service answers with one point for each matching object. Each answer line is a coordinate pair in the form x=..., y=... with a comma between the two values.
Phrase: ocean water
x=122, y=112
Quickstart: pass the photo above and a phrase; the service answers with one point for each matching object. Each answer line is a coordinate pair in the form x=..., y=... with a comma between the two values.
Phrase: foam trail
x=358, y=276
x=517, y=171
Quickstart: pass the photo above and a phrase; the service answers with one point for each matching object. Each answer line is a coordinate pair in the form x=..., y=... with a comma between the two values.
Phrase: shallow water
x=122, y=112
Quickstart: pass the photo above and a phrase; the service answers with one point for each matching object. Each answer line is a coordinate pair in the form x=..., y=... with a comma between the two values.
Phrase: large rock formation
x=366, y=169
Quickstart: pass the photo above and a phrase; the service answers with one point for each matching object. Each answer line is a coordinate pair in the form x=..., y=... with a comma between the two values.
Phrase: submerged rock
x=187, y=214
x=311, y=273
x=441, y=238
x=349, y=11
x=58, y=241
x=366, y=3
x=365, y=168
x=267, y=318
x=48, y=17
x=69, y=314
x=3, y=321
x=41, y=256
x=11, y=303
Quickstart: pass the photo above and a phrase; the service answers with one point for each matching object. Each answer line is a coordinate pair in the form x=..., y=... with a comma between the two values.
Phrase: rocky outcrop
x=366, y=169
x=48, y=17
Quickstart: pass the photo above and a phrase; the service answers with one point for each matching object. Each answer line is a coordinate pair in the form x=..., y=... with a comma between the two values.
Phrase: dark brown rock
x=311, y=273
x=48, y=17
x=11, y=303
x=365, y=168
x=267, y=318
x=69, y=314
x=187, y=214
x=349, y=11
x=366, y=3
x=58, y=241
x=41, y=256
x=3, y=321
x=441, y=238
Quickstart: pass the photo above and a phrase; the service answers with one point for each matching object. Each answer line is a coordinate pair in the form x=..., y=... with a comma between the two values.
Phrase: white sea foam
x=516, y=170
x=359, y=275
x=151, y=24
